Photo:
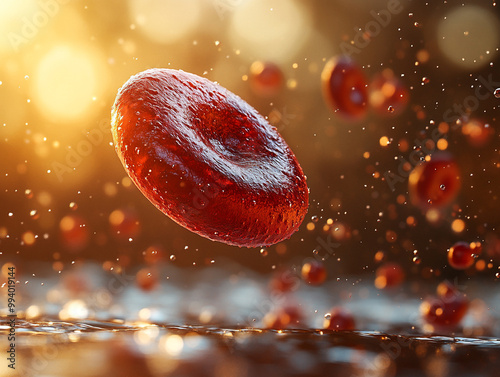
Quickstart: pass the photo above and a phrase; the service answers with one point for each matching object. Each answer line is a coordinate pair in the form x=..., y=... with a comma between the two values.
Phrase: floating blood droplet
x=461, y=255
x=314, y=272
x=389, y=275
x=339, y=319
x=345, y=87
x=447, y=309
x=266, y=79
x=434, y=183
x=207, y=159
x=388, y=94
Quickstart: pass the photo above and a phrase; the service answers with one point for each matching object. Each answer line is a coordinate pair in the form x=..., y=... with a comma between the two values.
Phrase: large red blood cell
x=434, y=183
x=345, y=87
x=207, y=159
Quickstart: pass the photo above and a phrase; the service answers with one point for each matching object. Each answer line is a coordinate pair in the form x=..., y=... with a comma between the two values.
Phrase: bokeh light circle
x=165, y=21
x=275, y=30
x=468, y=36
x=67, y=81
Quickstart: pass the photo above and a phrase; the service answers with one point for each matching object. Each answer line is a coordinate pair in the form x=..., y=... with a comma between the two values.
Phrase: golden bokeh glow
x=468, y=36
x=273, y=30
x=67, y=81
x=165, y=21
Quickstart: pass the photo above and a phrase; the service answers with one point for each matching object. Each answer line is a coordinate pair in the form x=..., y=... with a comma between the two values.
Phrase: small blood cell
x=74, y=234
x=146, y=279
x=266, y=79
x=284, y=281
x=314, y=272
x=388, y=95
x=207, y=159
x=154, y=254
x=345, y=87
x=478, y=132
x=434, y=183
x=461, y=255
x=287, y=316
x=339, y=319
x=124, y=224
x=389, y=275
x=447, y=309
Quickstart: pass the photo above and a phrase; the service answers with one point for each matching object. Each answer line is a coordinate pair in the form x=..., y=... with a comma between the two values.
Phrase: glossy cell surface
x=345, y=87
x=434, y=183
x=207, y=159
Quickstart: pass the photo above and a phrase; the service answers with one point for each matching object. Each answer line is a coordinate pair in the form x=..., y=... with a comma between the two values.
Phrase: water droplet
x=263, y=252
x=390, y=109
x=442, y=187
x=417, y=260
x=172, y=257
x=425, y=80
x=496, y=93
x=314, y=219
x=328, y=315
x=73, y=206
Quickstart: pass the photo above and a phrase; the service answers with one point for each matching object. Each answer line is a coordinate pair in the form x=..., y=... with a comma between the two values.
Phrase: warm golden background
x=65, y=196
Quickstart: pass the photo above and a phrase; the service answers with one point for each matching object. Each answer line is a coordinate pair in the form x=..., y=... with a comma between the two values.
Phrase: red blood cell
x=478, y=133
x=314, y=272
x=447, y=309
x=388, y=95
x=154, y=254
x=284, y=281
x=389, y=275
x=124, y=224
x=286, y=316
x=146, y=279
x=434, y=183
x=74, y=234
x=266, y=79
x=461, y=255
x=207, y=159
x=345, y=87
x=339, y=320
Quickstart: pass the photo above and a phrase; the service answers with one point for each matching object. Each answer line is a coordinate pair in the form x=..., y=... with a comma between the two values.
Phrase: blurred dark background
x=65, y=196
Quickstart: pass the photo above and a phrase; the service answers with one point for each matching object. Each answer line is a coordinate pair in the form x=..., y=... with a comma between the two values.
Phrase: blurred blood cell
x=387, y=94
x=314, y=272
x=266, y=79
x=478, y=132
x=339, y=319
x=124, y=223
x=462, y=255
x=147, y=279
x=154, y=254
x=74, y=234
x=345, y=87
x=447, y=308
x=284, y=280
x=389, y=275
x=207, y=159
x=284, y=317
x=434, y=183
